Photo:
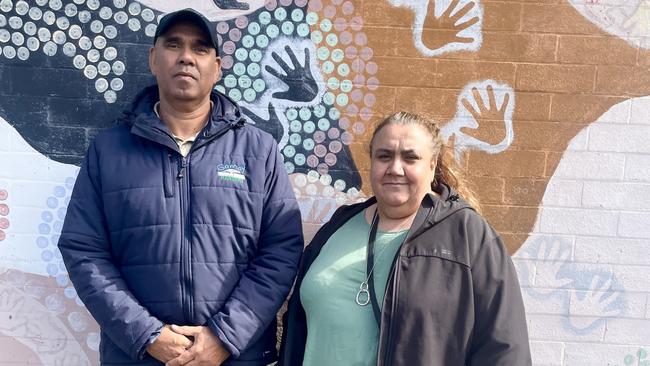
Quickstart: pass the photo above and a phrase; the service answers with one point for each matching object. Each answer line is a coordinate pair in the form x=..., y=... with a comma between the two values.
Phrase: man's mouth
x=184, y=74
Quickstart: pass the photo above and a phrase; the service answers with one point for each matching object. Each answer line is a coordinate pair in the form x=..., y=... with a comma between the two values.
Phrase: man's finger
x=183, y=359
x=186, y=330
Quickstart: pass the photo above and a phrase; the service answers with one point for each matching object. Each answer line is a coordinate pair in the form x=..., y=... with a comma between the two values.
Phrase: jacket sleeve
x=266, y=282
x=500, y=335
x=85, y=247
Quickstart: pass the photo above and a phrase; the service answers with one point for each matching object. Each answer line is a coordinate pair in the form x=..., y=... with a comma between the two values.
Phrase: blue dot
x=262, y=41
x=323, y=124
x=248, y=41
x=62, y=280
x=303, y=30
x=295, y=126
x=61, y=212
x=46, y=216
x=319, y=110
x=44, y=229
x=287, y=28
x=289, y=151
x=52, y=202
x=59, y=191
x=253, y=69
x=69, y=182
x=58, y=225
x=47, y=255
x=70, y=293
x=55, y=239
x=289, y=167
x=265, y=17
x=52, y=269
x=255, y=55
x=272, y=30
x=308, y=144
x=309, y=127
x=41, y=241
x=300, y=159
x=253, y=28
x=280, y=14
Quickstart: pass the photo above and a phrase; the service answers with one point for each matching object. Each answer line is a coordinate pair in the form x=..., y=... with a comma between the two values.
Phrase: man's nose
x=186, y=56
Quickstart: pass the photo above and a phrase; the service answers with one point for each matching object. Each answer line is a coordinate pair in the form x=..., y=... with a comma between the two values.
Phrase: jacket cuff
x=214, y=327
x=136, y=350
x=152, y=338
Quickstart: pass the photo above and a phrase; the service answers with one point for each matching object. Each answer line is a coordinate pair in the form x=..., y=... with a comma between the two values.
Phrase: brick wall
x=545, y=100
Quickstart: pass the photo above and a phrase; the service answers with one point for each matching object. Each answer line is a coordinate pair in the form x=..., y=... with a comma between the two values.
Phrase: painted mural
x=545, y=103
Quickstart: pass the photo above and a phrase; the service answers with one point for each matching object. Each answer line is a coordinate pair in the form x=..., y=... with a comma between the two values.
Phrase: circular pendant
x=363, y=296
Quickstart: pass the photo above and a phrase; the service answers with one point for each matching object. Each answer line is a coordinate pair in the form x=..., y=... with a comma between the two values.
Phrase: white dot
x=63, y=23
x=121, y=17
x=50, y=48
x=49, y=18
x=22, y=8
x=44, y=34
x=55, y=4
x=105, y=13
x=17, y=38
x=118, y=68
x=9, y=52
x=90, y=71
x=6, y=6
x=15, y=22
x=110, y=31
x=78, y=2
x=103, y=68
x=134, y=8
x=79, y=62
x=339, y=185
x=119, y=3
x=75, y=31
x=96, y=26
x=84, y=16
x=23, y=53
x=30, y=28
x=93, y=55
x=69, y=49
x=92, y=341
x=35, y=13
x=85, y=43
x=41, y=2
x=300, y=181
x=311, y=190
x=134, y=24
x=101, y=85
x=3, y=20
x=312, y=176
x=326, y=179
x=33, y=43
x=4, y=35
x=99, y=42
x=71, y=10
x=92, y=4
x=353, y=192
x=110, y=53
x=110, y=96
x=150, y=30
x=117, y=84
x=148, y=15
x=59, y=37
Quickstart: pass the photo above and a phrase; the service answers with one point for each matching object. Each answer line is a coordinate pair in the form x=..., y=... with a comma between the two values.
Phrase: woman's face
x=402, y=166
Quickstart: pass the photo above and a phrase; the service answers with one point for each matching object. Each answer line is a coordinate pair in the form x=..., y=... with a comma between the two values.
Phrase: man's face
x=184, y=63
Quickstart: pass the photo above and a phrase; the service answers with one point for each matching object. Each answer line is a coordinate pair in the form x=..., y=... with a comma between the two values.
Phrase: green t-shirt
x=341, y=332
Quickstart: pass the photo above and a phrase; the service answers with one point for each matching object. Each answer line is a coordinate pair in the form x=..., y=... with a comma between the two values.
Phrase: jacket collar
x=225, y=115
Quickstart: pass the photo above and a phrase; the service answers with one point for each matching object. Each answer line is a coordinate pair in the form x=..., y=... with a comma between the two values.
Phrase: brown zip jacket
x=452, y=297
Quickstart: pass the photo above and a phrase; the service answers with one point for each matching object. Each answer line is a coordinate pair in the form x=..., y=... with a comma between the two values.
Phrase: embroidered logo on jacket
x=231, y=172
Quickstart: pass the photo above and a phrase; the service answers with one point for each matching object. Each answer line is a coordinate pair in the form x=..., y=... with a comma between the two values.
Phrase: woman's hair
x=447, y=171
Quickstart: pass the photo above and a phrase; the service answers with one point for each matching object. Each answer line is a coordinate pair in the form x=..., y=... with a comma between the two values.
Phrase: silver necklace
x=363, y=295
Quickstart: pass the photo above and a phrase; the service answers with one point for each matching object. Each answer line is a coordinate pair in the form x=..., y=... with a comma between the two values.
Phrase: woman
x=412, y=276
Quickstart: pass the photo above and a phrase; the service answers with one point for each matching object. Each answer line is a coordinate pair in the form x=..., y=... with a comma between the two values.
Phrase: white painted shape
x=610, y=137
x=419, y=7
x=637, y=168
x=634, y=225
x=552, y=328
x=590, y=165
x=612, y=250
x=31, y=179
x=616, y=196
x=563, y=193
x=597, y=353
x=464, y=118
x=578, y=221
x=630, y=331
x=627, y=19
x=640, y=111
x=547, y=353
x=553, y=305
x=205, y=7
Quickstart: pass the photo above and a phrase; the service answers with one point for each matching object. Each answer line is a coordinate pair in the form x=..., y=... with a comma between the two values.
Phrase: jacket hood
x=225, y=110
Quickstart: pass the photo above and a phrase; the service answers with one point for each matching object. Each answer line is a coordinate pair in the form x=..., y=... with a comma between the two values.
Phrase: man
x=183, y=235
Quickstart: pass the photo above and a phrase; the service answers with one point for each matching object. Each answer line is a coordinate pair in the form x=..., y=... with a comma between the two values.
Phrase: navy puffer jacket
x=153, y=238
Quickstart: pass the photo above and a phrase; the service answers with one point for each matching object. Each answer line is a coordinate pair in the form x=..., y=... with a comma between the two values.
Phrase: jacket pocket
x=168, y=174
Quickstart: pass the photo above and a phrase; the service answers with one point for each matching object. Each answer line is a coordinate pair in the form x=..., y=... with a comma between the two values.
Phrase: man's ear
x=152, y=60
x=217, y=65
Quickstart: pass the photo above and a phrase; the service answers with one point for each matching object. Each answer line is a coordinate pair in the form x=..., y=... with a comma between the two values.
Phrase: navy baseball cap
x=187, y=15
